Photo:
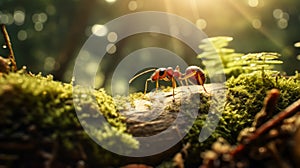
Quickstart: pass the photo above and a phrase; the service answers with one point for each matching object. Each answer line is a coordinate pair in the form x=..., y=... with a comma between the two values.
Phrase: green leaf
x=269, y=55
x=206, y=55
x=216, y=42
x=225, y=50
x=273, y=62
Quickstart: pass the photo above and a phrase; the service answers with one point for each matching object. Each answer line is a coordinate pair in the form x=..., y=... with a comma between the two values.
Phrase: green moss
x=207, y=103
x=246, y=94
x=91, y=104
x=28, y=99
x=33, y=102
x=126, y=103
x=244, y=99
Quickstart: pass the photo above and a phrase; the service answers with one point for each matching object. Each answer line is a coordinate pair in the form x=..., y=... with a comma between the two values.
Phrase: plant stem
x=8, y=44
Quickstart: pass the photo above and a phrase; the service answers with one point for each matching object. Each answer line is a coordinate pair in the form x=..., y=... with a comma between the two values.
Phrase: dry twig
x=288, y=112
x=11, y=56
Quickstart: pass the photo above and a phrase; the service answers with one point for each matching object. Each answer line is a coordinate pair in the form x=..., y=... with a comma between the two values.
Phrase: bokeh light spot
x=51, y=10
x=256, y=23
x=277, y=13
x=111, y=48
x=49, y=64
x=99, y=30
x=7, y=19
x=253, y=3
x=43, y=17
x=297, y=44
x=132, y=5
x=112, y=37
x=38, y=26
x=282, y=23
x=110, y=1
x=22, y=35
x=19, y=17
x=39, y=17
x=286, y=16
x=201, y=24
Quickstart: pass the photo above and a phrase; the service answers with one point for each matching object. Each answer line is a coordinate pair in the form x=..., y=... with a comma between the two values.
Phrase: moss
x=33, y=104
x=127, y=102
x=90, y=104
x=246, y=94
x=207, y=103
x=244, y=98
x=38, y=100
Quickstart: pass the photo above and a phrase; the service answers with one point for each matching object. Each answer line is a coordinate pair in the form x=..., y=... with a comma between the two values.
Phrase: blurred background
x=48, y=34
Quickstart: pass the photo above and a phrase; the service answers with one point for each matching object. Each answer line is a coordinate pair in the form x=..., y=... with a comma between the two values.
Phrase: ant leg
x=173, y=86
x=156, y=84
x=186, y=79
x=201, y=82
x=199, y=79
x=186, y=82
x=146, y=85
x=204, y=88
x=181, y=83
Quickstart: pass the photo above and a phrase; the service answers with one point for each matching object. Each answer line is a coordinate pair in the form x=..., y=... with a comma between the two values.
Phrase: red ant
x=193, y=74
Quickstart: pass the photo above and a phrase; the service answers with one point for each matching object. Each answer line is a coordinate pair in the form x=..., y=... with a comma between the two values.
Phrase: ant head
x=158, y=74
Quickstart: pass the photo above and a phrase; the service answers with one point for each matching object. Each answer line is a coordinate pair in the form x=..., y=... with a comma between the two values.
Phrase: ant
x=193, y=74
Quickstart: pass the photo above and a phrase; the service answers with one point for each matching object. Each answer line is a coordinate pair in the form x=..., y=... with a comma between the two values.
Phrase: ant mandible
x=193, y=74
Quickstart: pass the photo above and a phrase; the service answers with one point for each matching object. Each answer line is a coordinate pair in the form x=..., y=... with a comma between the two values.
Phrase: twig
x=268, y=109
x=8, y=44
x=289, y=111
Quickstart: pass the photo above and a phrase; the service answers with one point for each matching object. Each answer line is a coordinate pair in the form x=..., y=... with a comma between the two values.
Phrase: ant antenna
x=142, y=73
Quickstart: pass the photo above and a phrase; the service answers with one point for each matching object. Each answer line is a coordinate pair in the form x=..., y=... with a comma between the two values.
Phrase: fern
x=235, y=63
x=216, y=48
x=257, y=61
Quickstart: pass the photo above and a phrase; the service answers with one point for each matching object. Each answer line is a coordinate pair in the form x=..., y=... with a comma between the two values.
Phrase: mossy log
x=158, y=110
x=39, y=124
